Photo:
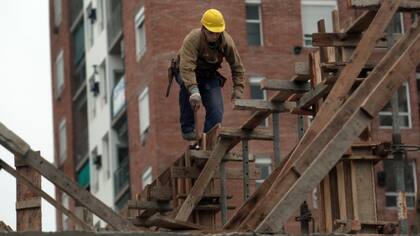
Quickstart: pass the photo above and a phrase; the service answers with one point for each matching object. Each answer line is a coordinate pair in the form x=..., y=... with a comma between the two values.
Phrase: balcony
x=118, y=99
x=114, y=26
x=121, y=179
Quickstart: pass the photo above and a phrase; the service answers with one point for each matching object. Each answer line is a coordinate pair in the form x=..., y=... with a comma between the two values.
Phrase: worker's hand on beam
x=195, y=101
x=237, y=93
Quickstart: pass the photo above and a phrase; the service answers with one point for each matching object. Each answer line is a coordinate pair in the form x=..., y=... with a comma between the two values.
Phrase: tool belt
x=173, y=71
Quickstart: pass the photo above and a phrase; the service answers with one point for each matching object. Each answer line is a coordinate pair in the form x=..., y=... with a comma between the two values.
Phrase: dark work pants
x=212, y=99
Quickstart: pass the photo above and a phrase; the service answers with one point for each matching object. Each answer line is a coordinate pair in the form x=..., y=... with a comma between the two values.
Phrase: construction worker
x=201, y=55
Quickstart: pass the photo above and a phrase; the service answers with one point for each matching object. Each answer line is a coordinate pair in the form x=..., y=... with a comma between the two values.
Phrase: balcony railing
x=121, y=178
x=118, y=97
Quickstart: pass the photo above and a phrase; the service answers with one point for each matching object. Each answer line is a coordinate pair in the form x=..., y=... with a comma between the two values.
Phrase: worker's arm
x=236, y=66
x=188, y=61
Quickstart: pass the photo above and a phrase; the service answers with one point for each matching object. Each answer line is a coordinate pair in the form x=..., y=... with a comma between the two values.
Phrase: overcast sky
x=25, y=93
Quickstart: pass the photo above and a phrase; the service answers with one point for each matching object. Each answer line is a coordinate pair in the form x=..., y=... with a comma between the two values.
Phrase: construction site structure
x=343, y=86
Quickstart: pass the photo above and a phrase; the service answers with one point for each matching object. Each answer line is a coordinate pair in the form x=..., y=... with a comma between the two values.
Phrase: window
x=385, y=116
x=57, y=13
x=105, y=156
x=64, y=218
x=59, y=74
x=89, y=27
x=391, y=194
x=258, y=93
x=312, y=11
x=140, y=34
x=253, y=22
x=396, y=24
x=103, y=83
x=101, y=14
x=62, y=148
x=147, y=177
x=144, y=115
x=264, y=164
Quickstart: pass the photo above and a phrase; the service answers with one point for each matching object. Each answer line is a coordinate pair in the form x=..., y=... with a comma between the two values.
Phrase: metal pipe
x=398, y=155
x=276, y=138
x=245, y=162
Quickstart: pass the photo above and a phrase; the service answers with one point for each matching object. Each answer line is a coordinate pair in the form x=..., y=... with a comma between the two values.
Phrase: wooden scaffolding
x=340, y=86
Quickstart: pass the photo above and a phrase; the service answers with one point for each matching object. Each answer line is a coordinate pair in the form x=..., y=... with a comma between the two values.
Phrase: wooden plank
x=201, y=154
x=159, y=193
x=361, y=23
x=257, y=134
x=327, y=208
x=313, y=96
x=285, y=85
x=302, y=69
x=196, y=193
x=344, y=40
x=82, y=196
x=231, y=173
x=44, y=195
x=12, y=142
x=349, y=127
x=341, y=184
x=149, y=205
x=406, y=5
x=167, y=223
x=28, y=202
x=262, y=105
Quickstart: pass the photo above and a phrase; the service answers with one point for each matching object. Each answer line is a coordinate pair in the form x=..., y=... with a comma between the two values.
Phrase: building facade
x=114, y=129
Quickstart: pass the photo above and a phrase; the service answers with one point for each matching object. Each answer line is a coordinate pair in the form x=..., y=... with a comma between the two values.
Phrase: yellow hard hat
x=213, y=21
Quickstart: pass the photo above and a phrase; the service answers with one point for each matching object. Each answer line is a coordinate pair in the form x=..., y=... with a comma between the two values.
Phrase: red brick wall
x=62, y=108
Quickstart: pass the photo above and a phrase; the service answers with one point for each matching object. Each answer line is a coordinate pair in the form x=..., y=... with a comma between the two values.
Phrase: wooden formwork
x=339, y=86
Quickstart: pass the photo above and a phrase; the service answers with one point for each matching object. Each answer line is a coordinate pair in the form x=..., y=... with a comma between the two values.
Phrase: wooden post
x=28, y=203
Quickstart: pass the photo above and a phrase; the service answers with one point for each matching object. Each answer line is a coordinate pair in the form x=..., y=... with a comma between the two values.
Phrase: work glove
x=195, y=98
x=237, y=93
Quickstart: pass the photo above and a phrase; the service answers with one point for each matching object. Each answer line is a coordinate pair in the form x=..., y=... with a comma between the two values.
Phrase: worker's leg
x=186, y=113
x=211, y=94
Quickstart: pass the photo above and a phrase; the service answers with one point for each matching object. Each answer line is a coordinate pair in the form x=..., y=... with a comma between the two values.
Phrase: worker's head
x=213, y=24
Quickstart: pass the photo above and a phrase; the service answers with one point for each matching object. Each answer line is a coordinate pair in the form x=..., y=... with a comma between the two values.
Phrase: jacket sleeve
x=188, y=61
x=235, y=62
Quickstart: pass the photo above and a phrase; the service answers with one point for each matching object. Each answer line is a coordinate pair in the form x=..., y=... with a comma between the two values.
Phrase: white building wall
x=99, y=111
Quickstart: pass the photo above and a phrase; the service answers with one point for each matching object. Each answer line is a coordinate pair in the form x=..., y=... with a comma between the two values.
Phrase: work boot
x=190, y=136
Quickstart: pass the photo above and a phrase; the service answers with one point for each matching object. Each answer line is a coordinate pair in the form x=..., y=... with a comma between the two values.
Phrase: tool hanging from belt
x=173, y=70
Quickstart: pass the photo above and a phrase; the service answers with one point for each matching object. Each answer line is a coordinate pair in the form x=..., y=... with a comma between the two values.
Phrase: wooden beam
x=44, y=195
x=158, y=192
x=197, y=191
x=285, y=85
x=406, y=5
x=149, y=205
x=262, y=105
x=28, y=202
x=361, y=23
x=12, y=142
x=167, y=223
x=82, y=196
x=302, y=70
x=345, y=126
x=231, y=173
x=344, y=40
x=257, y=134
x=201, y=154
x=313, y=96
